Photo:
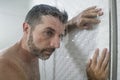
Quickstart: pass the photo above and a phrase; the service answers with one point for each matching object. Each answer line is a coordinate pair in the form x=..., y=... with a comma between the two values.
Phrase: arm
x=97, y=68
x=85, y=20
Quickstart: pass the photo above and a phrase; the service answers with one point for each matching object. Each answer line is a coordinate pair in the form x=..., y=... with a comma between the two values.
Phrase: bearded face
x=45, y=37
x=43, y=53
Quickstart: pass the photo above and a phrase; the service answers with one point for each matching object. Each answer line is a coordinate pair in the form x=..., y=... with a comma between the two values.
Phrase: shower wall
x=69, y=61
x=79, y=45
x=12, y=15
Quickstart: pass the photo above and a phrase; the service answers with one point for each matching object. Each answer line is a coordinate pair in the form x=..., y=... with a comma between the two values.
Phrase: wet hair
x=34, y=16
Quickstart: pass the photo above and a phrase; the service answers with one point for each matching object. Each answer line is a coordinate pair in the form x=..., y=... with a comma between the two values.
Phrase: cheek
x=40, y=41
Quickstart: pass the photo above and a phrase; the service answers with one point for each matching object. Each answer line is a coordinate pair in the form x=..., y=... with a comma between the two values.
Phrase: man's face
x=45, y=37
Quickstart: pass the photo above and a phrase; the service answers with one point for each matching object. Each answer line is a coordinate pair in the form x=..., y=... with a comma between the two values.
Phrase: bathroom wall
x=12, y=15
x=71, y=58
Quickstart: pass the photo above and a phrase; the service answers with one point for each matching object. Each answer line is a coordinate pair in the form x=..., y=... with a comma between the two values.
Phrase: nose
x=55, y=42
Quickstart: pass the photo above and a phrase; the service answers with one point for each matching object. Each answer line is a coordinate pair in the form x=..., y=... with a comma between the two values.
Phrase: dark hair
x=34, y=15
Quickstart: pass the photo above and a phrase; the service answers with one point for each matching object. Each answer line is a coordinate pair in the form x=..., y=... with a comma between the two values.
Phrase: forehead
x=52, y=22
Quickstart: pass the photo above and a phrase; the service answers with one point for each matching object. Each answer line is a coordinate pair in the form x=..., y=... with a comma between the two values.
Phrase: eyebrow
x=49, y=28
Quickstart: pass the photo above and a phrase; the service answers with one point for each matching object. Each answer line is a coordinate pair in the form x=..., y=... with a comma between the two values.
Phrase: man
x=43, y=28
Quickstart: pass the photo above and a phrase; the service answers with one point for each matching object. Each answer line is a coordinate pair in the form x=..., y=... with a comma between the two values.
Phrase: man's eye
x=49, y=33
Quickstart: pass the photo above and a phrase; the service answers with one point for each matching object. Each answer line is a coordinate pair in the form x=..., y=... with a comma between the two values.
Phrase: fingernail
x=100, y=13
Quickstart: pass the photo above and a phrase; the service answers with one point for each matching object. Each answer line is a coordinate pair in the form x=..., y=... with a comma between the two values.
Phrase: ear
x=26, y=27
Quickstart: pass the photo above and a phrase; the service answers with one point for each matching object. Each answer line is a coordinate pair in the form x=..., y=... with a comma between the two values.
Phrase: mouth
x=49, y=51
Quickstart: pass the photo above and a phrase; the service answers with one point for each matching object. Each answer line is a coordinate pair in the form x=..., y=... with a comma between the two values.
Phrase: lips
x=50, y=50
x=47, y=53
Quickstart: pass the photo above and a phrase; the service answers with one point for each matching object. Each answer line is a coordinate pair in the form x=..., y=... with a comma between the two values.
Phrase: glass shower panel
x=79, y=45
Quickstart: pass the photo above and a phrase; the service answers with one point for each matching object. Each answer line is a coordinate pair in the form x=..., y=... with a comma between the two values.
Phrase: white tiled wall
x=118, y=10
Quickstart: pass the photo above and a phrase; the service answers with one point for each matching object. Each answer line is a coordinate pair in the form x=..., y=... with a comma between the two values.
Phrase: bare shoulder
x=9, y=70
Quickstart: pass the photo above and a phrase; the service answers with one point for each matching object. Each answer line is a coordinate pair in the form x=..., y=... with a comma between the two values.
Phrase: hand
x=87, y=18
x=97, y=68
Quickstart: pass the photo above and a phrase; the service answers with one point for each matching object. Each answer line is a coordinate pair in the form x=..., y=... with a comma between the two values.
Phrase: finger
x=93, y=7
x=90, y=15
x=101, y=59
x=88, y=65
x=107, y=70
x=90, y=21
x=94, y=60
x=100, y=13
x=96, y=10
x=106, y=61
x=93, y=13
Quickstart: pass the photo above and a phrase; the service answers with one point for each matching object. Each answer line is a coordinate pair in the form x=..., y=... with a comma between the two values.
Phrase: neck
x=23, y=52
